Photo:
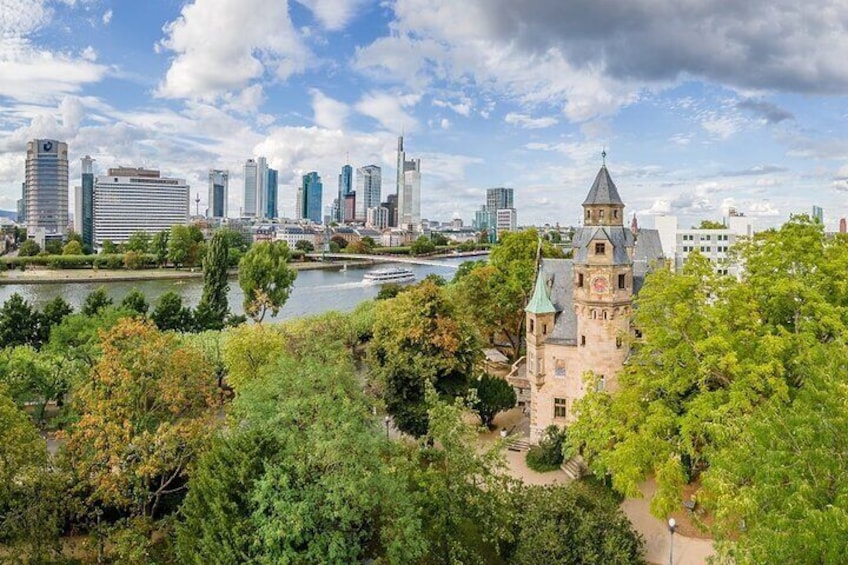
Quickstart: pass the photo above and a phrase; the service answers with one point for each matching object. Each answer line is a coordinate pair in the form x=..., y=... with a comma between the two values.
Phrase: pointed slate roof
x=603, y=190
x=540, y=303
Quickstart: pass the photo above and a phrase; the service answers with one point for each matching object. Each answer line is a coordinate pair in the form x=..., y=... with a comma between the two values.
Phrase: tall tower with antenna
x=197, y=204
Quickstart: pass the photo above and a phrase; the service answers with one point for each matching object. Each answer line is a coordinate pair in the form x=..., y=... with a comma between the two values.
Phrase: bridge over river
x=432, y=262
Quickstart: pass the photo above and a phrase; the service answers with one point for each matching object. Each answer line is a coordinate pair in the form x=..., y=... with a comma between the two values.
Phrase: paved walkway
x=687, y=551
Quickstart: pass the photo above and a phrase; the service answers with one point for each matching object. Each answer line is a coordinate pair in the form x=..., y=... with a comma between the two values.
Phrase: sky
x=700, y=105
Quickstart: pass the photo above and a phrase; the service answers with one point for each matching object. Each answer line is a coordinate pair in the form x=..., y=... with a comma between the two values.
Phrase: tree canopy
x=265, y=278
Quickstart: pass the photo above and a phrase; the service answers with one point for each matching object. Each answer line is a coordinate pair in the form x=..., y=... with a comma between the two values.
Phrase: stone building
x=579, y=317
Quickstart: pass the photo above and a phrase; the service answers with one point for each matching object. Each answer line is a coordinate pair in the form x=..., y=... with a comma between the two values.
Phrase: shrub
x=547, y=456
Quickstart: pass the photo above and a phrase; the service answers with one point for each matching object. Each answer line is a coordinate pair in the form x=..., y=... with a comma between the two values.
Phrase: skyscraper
x=345, y=188
x=22, y=204
x=47, y=186
x=251, y=187
x=499, y=198
x=818, y=214
x=369, y=185
x=310, y=197
x=84, y=203
x=271, y=186
x=261, y=188
x=408, y=190
x=219, y=181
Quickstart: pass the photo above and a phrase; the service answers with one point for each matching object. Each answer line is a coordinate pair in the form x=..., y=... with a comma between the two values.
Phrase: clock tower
x=603, y=282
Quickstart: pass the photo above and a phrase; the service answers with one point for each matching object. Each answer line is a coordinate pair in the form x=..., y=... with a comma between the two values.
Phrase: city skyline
x=513, y=97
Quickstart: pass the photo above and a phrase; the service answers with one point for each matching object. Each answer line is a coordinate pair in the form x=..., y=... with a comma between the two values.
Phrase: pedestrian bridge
x=382, y=259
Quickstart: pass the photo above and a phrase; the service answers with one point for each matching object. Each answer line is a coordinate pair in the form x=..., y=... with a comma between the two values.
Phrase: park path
x=687, y=550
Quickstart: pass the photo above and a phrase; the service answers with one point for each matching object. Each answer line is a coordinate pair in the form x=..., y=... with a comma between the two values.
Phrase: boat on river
x=392, y=274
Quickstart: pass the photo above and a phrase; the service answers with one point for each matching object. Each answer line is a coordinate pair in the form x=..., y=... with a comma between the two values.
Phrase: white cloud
x=389, y=109
x=463, y=107
x=19, y=18
x=527, y=122
x=223, y=45
x=328, y=112
x=107, y=17
x=445, y=123
x=333, y=14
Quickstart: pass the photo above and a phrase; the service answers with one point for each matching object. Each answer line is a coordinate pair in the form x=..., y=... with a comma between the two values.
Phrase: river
x=315, y=291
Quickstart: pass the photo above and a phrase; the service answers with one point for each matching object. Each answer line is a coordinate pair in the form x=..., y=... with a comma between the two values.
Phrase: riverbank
x=51, y=276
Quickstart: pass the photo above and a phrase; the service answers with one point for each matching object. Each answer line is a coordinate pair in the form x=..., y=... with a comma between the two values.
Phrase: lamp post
x=672, y=526
x=387, y=420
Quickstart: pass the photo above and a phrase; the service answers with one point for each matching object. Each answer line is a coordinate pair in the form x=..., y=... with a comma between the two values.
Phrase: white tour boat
x=393, y=274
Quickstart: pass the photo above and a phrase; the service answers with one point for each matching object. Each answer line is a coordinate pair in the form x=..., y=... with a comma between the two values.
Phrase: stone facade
x=578, y=321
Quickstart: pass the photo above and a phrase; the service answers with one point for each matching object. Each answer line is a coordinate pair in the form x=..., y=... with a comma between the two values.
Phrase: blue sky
x=701, y=105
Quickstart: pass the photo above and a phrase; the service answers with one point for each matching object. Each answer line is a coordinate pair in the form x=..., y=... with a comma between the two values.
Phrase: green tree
x=465, y=268
x=30, y=491
x=73, y=247
x=438, y=239
x=95, y=302
x=709, y=225
x=576, y=524
x=19, y=323
x=35, y=377
x=422, y=246
x=339, y=241
x=109, y=248
x=418, y=338
x=265, y=278
x=136, y=302
x=548, y=454
x=180, y=245
x=147, y=410
x=159, y=246
x=493, y=395
x=390, y=290
x=133, y=260
x=29, y=248
x=170, y=314
x=52, y=314
x=235, y=239
x=53, y=246
x=214, y=308
x=139, y=242
x=73, y=236
x=369, y=243
x=304, y=246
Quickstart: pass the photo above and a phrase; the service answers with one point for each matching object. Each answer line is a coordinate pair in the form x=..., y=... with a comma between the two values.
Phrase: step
x=519, y=445
x=573, y=468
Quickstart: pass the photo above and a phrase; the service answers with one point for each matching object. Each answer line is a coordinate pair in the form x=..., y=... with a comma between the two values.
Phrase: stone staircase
x=519, y=444
x=574, y=468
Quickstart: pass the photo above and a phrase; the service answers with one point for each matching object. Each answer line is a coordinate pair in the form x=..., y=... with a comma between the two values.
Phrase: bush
x=547, y=456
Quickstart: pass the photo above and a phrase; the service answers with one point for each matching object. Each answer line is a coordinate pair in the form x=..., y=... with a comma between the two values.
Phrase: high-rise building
x=349, y=209
x=345, y=188
x=818, y=214
x=271, y=186
x=310, y=197
x=506, y=220
x=843, y=225
x=251, y=189
x=368, y=190
x=127, y=200
x=22, y=204
x=499, y=198
x=261, y=187
x=377, y=217
x=84, y=203
x=391, y=205
x=219, y=181
x=47, y=186
x=408, y=190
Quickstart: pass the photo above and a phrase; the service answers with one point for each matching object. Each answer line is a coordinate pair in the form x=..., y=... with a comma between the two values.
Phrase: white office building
x=714, y=244
x=506, y=220
x=369, y=189
x=127, y=200
x=46, y=190
x=377, y=218
x=408, y=190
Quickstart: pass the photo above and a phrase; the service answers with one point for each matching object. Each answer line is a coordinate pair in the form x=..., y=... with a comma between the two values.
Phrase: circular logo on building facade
x=48, y=145
x=600, y=285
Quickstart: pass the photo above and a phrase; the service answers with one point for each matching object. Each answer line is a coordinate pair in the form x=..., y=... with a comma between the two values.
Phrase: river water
x=315, y=291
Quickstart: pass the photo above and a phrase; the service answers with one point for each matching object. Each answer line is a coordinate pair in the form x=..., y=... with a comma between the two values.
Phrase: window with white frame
x=560, y=408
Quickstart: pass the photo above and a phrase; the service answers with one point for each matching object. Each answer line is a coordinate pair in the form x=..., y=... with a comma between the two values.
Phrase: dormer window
x=600, y=248
x=601, y=214
x=588, y=214
x=580, y=280
x=615, y=214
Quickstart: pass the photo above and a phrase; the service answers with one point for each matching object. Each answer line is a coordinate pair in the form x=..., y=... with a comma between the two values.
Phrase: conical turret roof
x=540, y=303
x=603, y=191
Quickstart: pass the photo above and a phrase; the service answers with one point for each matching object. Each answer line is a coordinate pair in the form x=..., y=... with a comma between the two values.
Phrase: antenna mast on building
x=197, y=204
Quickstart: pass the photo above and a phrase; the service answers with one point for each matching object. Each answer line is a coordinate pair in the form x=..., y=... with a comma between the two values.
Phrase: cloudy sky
x=701, y=105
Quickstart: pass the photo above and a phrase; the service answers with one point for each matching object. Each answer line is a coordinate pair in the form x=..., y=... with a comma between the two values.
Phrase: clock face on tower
x=600, y=284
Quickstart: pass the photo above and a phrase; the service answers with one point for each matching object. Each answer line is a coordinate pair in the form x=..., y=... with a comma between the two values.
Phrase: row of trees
x=738, y=387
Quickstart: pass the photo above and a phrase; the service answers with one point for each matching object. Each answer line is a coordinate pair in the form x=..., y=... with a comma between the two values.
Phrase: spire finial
x=604, y=157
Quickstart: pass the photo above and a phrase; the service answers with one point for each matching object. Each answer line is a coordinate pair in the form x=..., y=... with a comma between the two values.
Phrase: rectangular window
x=601, y=214
x=559, y=367
x=705, y=249
x=532, y=325
x=622, y=280
x=559, y=408
x=580, y=280
x=600, y=248
x=601, y=383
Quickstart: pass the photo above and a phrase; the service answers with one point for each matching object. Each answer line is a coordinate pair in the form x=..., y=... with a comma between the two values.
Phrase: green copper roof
x=540, y=303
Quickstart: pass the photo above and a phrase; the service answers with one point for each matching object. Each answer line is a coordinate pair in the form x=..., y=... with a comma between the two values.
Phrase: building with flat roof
x=47, y=186
x=369, y=183
x=309, y=198
x=408, y=190
x=219, y=183
x=84, y=203
x=128, y=200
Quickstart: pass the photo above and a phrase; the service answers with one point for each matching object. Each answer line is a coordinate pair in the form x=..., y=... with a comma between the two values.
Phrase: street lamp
x=672, y=526
x=387, y=420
